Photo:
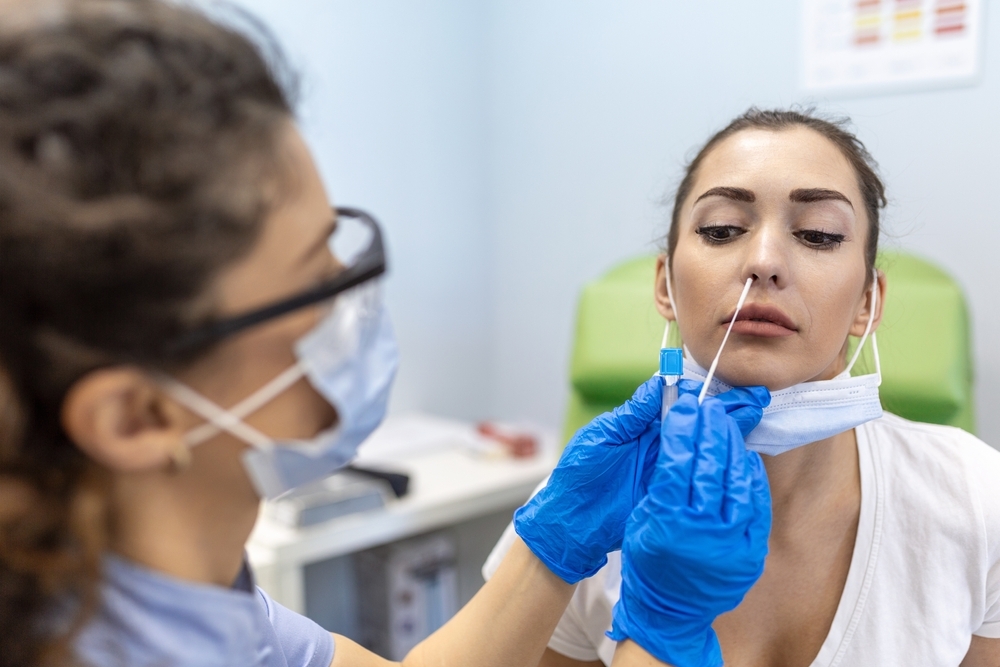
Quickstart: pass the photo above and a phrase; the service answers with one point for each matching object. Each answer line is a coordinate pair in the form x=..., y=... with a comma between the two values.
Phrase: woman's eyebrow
x=737, y=194
x=810, y=195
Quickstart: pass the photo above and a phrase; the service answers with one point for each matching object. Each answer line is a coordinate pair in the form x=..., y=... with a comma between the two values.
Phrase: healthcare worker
x=885, y=542
x=186, y=327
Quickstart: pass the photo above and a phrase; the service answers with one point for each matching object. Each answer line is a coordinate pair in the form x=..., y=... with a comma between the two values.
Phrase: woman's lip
x=761, y=328
x=763, y=313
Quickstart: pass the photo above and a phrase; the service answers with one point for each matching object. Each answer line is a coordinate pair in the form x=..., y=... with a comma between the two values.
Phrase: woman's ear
x=119, y=417
x=861, y=319
x=660, y=289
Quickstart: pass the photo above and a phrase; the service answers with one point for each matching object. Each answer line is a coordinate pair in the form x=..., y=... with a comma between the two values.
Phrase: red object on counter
x=518, y=444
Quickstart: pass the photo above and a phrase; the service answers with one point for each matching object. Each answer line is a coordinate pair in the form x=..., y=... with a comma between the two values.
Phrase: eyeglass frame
x=371, y=264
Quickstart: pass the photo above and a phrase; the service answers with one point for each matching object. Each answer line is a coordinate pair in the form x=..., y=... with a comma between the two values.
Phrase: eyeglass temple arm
x=371, y=265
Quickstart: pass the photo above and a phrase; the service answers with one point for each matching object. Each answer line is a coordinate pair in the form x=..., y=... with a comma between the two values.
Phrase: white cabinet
x=455, y=479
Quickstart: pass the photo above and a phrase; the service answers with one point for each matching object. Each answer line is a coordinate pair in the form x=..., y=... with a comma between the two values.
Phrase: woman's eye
x=720, y=233
x=817, y=239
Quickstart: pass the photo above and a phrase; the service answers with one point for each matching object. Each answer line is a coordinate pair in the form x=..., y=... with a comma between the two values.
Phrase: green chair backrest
x=923, y=343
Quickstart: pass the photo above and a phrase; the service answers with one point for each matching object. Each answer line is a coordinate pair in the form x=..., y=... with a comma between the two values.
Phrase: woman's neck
x=823, y=474
x=182, y=526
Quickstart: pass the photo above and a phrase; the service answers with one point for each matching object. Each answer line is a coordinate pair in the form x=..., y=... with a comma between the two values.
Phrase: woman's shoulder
x=947, y=442
x=940, y=465
x=935, y=518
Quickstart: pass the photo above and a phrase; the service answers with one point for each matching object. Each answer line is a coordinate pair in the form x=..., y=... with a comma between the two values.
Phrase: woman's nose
x=765, y=261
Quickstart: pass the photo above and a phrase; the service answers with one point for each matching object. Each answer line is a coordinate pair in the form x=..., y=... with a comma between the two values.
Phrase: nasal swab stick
x=715, y=362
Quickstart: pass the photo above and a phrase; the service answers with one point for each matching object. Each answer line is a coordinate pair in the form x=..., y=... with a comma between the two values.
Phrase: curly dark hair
x=134, y=139
x=835, y=130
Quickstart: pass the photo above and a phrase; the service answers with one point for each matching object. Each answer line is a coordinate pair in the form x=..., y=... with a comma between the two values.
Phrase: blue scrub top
x=149, y=619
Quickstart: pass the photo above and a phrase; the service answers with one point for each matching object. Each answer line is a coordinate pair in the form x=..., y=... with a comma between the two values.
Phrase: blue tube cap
x=671, y=361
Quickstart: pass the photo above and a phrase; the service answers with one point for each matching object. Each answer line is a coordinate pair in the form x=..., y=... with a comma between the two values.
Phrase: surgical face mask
x=350, y=358
x=809, y=411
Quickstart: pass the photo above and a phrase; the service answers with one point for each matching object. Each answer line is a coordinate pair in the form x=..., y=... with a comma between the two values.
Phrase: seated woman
x=885, y=545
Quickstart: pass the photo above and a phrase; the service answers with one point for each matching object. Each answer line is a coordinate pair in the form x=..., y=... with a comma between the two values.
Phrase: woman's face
x=783, y=208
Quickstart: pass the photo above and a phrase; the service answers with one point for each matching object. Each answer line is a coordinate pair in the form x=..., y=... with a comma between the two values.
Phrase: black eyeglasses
x=356, y=243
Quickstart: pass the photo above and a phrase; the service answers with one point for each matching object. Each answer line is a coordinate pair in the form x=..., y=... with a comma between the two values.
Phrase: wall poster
x=858, y=46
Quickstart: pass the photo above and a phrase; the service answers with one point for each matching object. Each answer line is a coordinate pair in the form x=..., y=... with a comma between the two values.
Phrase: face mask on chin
x=350, y=359
x=809, y=411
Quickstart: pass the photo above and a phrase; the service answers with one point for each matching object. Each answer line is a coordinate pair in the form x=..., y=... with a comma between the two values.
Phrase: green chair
x=923, y=343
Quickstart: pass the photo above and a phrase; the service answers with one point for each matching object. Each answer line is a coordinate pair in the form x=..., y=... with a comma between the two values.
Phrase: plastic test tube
x=671, y=368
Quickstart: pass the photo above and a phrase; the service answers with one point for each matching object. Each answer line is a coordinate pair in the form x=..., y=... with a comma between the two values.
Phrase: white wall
x=392, y=105
x=516, y=148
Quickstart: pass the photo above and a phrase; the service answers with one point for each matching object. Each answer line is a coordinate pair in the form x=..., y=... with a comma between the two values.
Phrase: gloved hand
x=579, y=516
x=744, y=404
x=696, y=542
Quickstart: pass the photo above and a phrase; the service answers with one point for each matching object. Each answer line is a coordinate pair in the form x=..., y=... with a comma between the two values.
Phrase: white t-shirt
x=925, y=573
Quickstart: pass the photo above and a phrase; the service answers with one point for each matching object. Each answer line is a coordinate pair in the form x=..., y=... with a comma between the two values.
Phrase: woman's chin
x=776, y=371
x=774, y=381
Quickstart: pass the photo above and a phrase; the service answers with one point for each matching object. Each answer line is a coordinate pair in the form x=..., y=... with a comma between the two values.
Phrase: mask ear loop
x=715, y=362
x=250, y=404
x=868, y=329
x=218, y=418
x=673, y=305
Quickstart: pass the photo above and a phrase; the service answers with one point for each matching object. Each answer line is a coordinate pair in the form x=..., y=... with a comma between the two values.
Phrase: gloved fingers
x=708, y=481
x=759, y=529
x=646, y=458
x=746, y=405
x=670, y=485
x=738, y=503
x=746, y=418
x=688, y=387
x=626, y=422
x=753, y=396
x=760, y=526
x=582, y=452
x=758, y=476
x=643, y=462
x=640, y=410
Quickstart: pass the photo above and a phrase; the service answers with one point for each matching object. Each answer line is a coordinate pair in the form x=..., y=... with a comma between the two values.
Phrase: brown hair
x=133, y=137
x=865, y=167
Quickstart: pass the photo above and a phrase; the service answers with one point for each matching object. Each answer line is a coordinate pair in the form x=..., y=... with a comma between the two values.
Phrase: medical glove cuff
x=559, y=555
x=666, y=638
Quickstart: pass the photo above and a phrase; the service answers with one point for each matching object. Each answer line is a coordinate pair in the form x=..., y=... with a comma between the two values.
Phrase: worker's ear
x=660, y=289
x=865, y=308
x=120, y=418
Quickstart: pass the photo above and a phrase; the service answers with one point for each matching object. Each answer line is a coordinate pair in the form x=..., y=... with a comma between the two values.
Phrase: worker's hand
x=696, y=542
x=579, y=516
x=744, y=404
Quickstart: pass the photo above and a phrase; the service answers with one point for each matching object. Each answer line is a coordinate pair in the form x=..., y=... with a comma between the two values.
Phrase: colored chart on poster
x=874, y=45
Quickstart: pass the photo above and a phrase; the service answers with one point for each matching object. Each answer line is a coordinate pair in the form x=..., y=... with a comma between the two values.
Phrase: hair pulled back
x=776, y=120
x=133, y=137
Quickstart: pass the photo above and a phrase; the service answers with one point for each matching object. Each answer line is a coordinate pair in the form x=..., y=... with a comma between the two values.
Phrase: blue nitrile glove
x=744, y=404
x=579, y=516
x=696, y=542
